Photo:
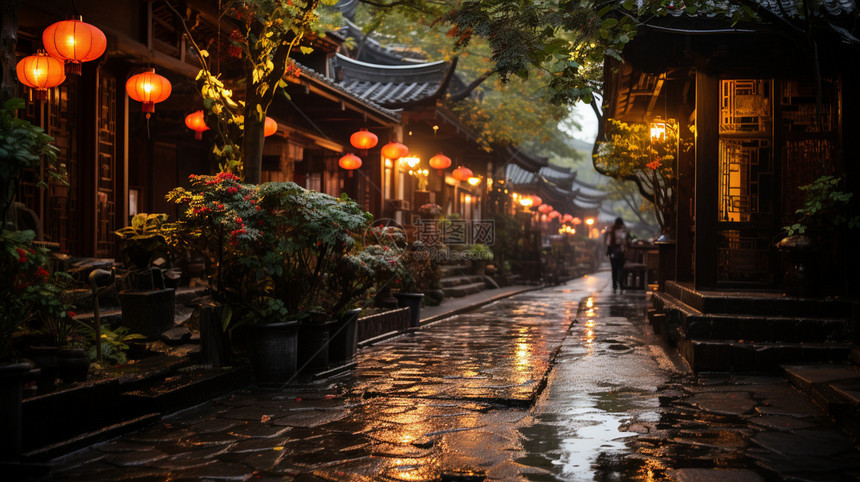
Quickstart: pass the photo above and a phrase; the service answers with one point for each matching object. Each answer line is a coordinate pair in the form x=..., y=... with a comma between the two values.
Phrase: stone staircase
x=720, y=331
x=456, y=281
x=834, y=387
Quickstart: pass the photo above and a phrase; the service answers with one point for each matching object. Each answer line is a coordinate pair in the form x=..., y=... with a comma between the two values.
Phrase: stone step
x=449, y=270
x=736, y=356
x=765, y=328
x=459, y=291
x=764, y=303
x=833, y=387
x=451, y=281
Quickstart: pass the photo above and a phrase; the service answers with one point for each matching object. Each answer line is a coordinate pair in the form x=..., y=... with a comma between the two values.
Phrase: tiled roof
x=783, y=8
x=320, y=78
x=389, y=85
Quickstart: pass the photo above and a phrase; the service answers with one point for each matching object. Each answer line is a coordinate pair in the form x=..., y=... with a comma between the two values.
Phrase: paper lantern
x=41, y=72
x=74, y=42
x=462, y=173
x=536, y=201
x=270, y=127
x=350, y=162
x=576, y=221
x=554, y=214
x=195, y=121
x=394, y=150
x=544, y=208
x=567, y=218
x=440, y=162
x=148, y=88
x=363, y=140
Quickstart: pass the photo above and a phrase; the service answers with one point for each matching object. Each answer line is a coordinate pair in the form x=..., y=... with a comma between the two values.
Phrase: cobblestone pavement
x=565, y=383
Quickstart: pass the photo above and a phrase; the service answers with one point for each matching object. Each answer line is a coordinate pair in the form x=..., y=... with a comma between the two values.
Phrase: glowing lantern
x=576, y=221
x=41, y=72
x=195, y=122
x=394, y=150
x=536, y=201
x=440, y=162
x=349, y=162
x=148, y=88
x=545, y=208
x=462, y=173
x=363, y=140
x=270, y=127
x=589, y=221
x=658, y=130
x=543, y=218
x=526, y=201
x=554, y=214
x=474, y=181
x=567, y=218
x=74, y=41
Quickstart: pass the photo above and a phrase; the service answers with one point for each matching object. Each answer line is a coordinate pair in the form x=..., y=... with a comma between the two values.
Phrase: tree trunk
x=8, y=40
x=252, y=148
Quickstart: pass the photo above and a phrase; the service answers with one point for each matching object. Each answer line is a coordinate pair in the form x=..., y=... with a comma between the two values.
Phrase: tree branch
x=471, y=87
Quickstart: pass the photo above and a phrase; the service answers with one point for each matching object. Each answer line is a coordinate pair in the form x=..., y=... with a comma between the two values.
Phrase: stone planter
x=413, y=302
x=274, y=352
x=12, y=376
x=344, y=337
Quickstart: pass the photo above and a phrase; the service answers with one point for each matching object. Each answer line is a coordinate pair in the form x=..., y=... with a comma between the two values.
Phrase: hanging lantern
x=440, y=162
x=41, y=72
x=536, y=201
x=554, y=214
x=474, y=181
x=74, y=41
x=576, y=221
x=567, y=218
x=394, y=150
x=363, y=140
x=545, y=208
x=462, y=173
x=270, y=127
x=350, y=162
x=195, y=122
x=543, y=218
x=148, y=88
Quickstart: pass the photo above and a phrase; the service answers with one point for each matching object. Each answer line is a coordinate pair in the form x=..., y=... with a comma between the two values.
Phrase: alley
x=563, y=383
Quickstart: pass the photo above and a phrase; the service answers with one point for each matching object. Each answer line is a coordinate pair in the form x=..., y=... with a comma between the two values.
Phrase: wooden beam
x=707, y=171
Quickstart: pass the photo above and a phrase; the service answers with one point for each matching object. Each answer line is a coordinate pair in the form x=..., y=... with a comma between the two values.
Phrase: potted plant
x=822, y=224
x=147, y=304
x=480, y=256
x=274, y=246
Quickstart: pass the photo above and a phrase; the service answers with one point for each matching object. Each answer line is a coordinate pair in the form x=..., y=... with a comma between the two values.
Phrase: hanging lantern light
x=74, y=42
x=536, y=201
x=363, y=140
x=270, y=127
x=544, y=208
x=462, y=173
x=41, y=72
x=567, y=218
x=350, y=162
x=576, y=221
x=554, y=214
x=394, y=150
x=474, y=181
x=196, y=123
x=148, y=88
x=543, y=218
x=440, y=162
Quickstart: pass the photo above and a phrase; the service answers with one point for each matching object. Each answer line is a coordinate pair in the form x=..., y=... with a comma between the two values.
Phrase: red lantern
x=349, y=162
x=394, y=150
x=196, y=123
x=544, y=208
x=270, y=127
x=462, y=173
x=440, y=162
x=576, y=221
x=567, y=218
x=554, y=214
x=363, y=140
x=148, y=88
x=41, y=72
x=74, y=41
x=536, y=201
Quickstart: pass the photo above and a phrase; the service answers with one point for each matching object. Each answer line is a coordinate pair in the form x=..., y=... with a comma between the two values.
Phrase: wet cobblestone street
x=563, y=383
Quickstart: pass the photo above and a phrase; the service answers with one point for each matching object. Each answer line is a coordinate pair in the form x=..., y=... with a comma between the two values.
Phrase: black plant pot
x=72, y=365
x=413, y=302
x=45, y=358
x=12, y=377
x=313, y=346
x=273, y=352
x=344, y=337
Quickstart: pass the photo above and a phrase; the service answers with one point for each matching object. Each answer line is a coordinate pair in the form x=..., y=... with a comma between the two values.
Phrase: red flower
x=22, y=253
x=238, y=220
x=42, y=273
x=653, y=165
x=70, y=314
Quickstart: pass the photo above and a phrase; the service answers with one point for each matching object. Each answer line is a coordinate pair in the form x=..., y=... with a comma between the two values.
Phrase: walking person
x=616, y=241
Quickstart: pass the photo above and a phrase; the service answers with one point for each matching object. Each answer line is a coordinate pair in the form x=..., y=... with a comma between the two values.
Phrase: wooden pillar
x=684, y=196
x=705, y=195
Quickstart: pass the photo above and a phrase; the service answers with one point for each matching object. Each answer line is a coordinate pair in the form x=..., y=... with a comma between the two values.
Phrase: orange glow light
x=41, y=72
x=148, y=88
x=74, y=41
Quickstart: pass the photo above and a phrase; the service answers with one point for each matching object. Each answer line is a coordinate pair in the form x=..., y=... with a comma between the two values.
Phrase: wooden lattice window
x=745, y=106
